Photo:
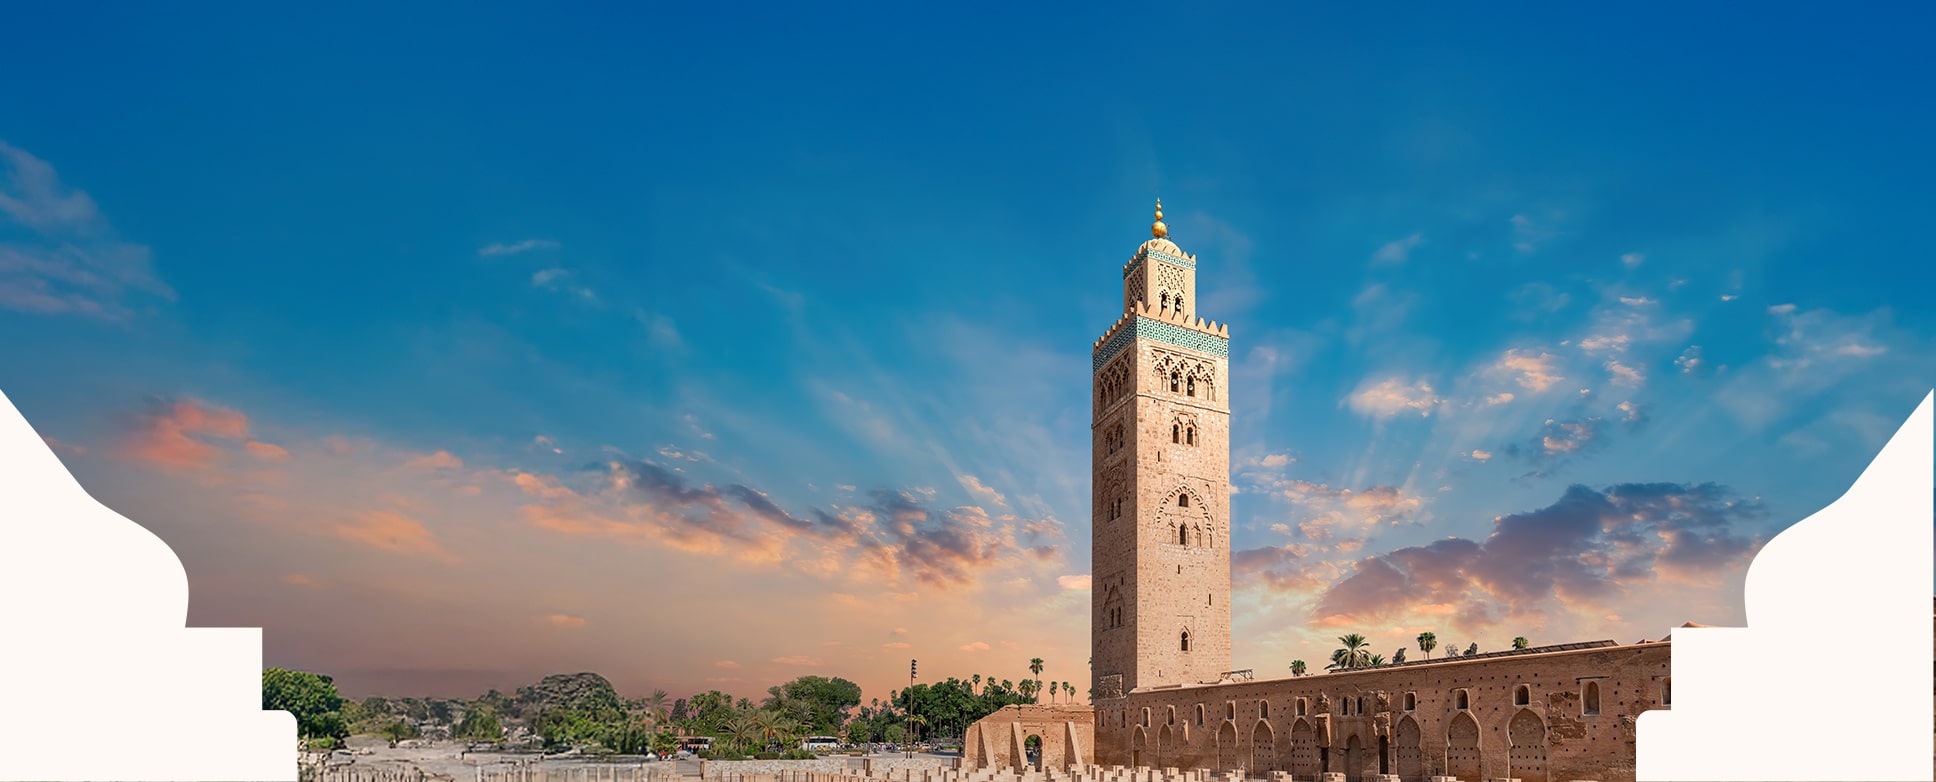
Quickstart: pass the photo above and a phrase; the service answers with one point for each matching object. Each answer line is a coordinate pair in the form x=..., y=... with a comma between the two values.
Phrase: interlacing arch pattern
x=1112, y=608
x=1187, y=520
x=1185, y=376
x=1183, y=429
x=1113, y=439
x=1169, y=278
x=1110, y=494
x=1113, y=383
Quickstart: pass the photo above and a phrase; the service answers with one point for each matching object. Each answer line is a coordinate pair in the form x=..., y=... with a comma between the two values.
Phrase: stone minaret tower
x=1161, y=475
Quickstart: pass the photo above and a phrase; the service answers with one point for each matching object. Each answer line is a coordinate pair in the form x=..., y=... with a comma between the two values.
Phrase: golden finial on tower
x=1158, y=229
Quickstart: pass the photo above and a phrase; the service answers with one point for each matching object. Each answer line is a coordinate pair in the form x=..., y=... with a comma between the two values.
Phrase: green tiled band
x=1161, y=256
x=1167, y=333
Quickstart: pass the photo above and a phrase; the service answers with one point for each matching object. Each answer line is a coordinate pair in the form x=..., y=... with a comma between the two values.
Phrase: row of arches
x=1186, y=376
x=1112, y=383
x=1258, y=750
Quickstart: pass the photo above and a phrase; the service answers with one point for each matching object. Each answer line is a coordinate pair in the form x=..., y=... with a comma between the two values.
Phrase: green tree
x=1427, y=641
x=1069, y=689
x=1375, y=661
x=859, y=732
x=1297, y=667
x=663, y=742
x=978, y=684
x=480, y=724
x=816, y=703
x=1035, y=666
x=310, y=697
x=1355, y=654
x=398, y=730
x=1521, y=642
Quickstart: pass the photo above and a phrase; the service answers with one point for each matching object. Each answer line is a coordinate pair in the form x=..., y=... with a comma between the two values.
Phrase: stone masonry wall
x=1359, y=722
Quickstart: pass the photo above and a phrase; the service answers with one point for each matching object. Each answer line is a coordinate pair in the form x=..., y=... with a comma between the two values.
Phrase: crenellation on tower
x=1161, y=472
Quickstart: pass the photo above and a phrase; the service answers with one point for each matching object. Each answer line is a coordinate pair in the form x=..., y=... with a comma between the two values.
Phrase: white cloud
x=1397, y=251
x=517, y=247
x=1391, y=397
x=556, y=279
x=1632, y=259
x=1625, y=375
x=1690, y=359
x=1534, y=371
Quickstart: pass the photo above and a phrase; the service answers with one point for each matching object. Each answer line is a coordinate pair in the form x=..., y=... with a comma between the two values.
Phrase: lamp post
x=910, y=709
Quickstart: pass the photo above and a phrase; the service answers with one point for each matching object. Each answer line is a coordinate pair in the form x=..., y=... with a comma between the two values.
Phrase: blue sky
x=664, y=301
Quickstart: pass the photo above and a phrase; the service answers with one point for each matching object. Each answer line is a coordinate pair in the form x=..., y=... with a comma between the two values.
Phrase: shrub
x=767, y=756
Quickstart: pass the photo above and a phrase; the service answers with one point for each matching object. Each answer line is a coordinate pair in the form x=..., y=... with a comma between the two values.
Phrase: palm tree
x=1070, y=690
x=918, y=722
x=1521, y=642
x=1427, y=641
x=1055, y=688
x=768, y=724
x=1355, y=653
x=1035, y=668
x=742, y=731
x=1297, y=667
x=1376, y=660
x=977, y=689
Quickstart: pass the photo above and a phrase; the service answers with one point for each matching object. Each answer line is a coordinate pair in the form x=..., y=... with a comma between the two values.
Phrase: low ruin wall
x=711, y=769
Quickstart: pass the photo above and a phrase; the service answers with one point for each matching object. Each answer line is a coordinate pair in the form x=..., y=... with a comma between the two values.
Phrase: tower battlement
x=1161, y=471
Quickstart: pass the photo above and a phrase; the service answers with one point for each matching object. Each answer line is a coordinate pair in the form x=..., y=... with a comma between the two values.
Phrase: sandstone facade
x=1162, y=693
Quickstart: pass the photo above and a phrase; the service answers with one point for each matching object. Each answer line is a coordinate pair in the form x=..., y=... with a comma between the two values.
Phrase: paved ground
x=452, y=760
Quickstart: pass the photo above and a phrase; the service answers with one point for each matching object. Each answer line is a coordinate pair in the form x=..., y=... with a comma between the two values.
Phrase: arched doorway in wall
x=1407, y=754
x=1227, y=754
x=1138, y=747
x=1354, y=757
x=1384, y=755
x=1304, y=750
x=1263, y=749
x=1527, y=736
x=1034, y=756
x=1462, y=747
x=1165, y=748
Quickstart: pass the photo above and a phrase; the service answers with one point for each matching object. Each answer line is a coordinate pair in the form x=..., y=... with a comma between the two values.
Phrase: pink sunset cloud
x=179, y=434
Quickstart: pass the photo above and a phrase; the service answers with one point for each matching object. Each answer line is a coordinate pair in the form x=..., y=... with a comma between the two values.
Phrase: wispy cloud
x=65, y=257
x=562, y=281
x=1397, y=251
x=1392, y=396
x=515, y=248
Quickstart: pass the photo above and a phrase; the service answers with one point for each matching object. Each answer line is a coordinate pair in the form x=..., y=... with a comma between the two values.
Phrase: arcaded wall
x=1364, y=722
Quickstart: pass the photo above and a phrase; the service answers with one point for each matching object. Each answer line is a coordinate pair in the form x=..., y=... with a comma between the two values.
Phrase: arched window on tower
x=1192, y=385
x=1176, y=381
x=1183, y=536
x=1176, y=433
x=1166, y=302
x=1183, y=500
x=1590, y=699
x=1179, y=303
x=1190, y=436
x=1186, y=640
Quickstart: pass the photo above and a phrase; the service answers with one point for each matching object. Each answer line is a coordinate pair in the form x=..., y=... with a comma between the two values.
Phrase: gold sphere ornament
x=1159, y=230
